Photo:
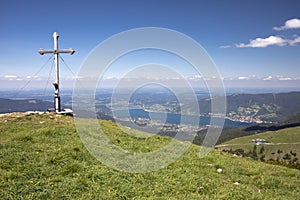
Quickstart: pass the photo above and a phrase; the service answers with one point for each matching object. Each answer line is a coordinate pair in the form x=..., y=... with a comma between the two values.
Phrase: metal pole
x=56, y=83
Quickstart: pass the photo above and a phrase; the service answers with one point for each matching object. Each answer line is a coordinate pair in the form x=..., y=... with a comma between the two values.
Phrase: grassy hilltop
x=283, y=146
x=42, y=157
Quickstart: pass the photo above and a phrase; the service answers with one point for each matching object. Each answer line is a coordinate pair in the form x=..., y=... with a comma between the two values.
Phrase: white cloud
x=268, y=78
x=195, y=77
x=10, y=76
x=294, y=41
x=289, y=24
x=272, y=40
x=285, y=79
x=13, y=78
x=225, y=47
x=264, y=42
x=198, y=76
x=243, y=78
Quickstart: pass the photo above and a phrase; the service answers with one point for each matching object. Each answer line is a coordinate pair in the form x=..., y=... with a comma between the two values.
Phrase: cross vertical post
x=56, y=52
x=57, y=106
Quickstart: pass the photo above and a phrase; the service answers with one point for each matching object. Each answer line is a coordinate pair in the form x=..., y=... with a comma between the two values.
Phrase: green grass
x=42, y=157
x=285, y=140
x=288, y=135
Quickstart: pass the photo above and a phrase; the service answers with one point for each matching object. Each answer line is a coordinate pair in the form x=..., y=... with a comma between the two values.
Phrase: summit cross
x=56, y=52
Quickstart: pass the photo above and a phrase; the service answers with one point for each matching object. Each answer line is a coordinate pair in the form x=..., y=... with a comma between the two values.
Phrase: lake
x=172, y=118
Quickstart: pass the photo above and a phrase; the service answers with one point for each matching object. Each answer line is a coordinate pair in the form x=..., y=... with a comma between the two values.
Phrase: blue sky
x=246, y=39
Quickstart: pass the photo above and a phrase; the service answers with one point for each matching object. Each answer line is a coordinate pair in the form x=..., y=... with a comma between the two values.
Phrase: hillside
x=274, y=107
x=42, y=157
x=268, y=107
x=282, y=145
x=22, y=105
x=229, y=133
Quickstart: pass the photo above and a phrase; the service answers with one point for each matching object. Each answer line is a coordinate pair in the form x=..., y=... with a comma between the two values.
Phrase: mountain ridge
x=23, y=105
x=271, y=107
x=264, y=107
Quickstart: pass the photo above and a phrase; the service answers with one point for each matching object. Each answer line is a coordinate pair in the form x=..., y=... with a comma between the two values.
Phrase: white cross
x=56, y=53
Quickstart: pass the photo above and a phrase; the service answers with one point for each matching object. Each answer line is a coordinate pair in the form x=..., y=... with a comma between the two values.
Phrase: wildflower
x=219, y=170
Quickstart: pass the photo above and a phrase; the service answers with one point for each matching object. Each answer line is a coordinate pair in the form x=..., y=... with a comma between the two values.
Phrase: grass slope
x=42, y=157
x=282, y=142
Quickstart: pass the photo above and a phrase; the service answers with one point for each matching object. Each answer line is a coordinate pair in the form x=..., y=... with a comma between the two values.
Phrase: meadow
x=42, y=157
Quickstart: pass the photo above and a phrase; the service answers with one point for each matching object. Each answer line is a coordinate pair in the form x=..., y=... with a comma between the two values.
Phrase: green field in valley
x=281, y=144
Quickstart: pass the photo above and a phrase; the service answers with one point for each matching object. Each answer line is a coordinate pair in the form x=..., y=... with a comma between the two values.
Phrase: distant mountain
x=268, y=107
x=292, y=119
x=274, y=107
x=22, y=105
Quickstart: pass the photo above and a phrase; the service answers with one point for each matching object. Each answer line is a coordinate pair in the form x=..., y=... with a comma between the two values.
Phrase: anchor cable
x=29, y=81
x=67, y=65
x=49, y=75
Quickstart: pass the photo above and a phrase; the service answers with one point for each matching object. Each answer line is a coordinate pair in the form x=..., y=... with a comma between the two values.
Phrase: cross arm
x=70, y=51
x=42, y=51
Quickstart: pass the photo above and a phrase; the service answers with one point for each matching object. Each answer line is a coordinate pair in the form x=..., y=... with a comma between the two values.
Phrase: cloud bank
x=21, y=83
x=264, y=42
x=272, y=40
